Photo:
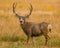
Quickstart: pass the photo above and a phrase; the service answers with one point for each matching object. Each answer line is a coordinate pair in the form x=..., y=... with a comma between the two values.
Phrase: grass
x=17, y=42
x=8, y=38
x=11, y=38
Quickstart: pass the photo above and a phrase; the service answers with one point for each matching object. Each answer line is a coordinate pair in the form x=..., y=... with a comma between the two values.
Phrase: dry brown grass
x=47, y=11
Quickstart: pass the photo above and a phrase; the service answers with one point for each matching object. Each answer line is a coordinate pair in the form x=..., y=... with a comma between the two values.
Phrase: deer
x=33, y=29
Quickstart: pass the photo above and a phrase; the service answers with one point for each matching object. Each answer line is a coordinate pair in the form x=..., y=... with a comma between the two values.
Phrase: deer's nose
x=21, y=21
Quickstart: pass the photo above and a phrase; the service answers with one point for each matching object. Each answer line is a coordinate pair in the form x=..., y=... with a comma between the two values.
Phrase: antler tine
x=14, y=6
x=31, y=8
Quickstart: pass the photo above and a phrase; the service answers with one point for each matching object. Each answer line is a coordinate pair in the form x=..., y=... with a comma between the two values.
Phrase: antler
x=14, y=6
x=31, y=8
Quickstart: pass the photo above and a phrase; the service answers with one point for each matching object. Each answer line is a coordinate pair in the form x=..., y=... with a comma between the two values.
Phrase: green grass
x=17, y=42
x=8, y=38
x=11, y=38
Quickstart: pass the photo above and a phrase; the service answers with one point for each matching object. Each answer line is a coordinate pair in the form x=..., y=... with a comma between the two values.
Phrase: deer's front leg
x=28, y=39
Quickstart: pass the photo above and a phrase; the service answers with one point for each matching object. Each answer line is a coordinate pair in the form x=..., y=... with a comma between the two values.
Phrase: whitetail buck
x=32, y=29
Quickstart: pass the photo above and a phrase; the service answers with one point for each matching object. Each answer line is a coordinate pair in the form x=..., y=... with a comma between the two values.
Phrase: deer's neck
x=24, y=24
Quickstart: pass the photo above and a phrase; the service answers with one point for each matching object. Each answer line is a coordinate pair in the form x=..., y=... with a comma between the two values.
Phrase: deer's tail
x=49, y=27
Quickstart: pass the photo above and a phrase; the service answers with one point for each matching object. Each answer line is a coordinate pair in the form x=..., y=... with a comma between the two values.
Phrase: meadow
x=11, y=33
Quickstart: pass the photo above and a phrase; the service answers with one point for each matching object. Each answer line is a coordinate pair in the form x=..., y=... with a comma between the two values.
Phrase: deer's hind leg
x=46, y=38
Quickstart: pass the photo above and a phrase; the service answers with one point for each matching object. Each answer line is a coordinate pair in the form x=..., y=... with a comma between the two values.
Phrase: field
x=12, y=35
